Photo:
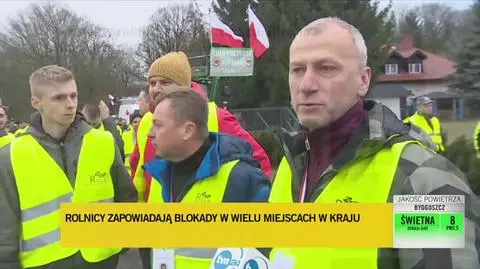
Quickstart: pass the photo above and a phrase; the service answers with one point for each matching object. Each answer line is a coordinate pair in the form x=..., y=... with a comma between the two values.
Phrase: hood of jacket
x=225, y=148
x=198, y=88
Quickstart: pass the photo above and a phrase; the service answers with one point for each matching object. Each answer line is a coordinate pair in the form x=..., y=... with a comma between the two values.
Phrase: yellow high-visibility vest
x=120, y=130
x=366, y=181
x=476, y=133
x=7, y=138
x=143, y=129
x=40, y=199
x=208, y=190
x=142, y=132
x=213, y=125
x=21, y=131
x=434, y=133
x=128, y=138
x=101, y=127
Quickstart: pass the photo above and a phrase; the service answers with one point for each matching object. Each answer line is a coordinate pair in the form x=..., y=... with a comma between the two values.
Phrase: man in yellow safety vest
x=476, y=140
x=425, y=120
x=99, y=118
x=194, y=165
x=59, y=159
x=129, y=137
x=171, y=71
x=5, y=136
x=352, y=150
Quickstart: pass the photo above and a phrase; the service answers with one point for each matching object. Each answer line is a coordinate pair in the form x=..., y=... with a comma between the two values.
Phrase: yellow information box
x=175, y=225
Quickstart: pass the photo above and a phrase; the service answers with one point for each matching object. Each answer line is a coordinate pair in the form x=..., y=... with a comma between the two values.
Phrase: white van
x=127, y=106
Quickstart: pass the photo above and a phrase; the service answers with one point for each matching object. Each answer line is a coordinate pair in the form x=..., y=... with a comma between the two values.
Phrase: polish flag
x=222, y=34
x=258, y=35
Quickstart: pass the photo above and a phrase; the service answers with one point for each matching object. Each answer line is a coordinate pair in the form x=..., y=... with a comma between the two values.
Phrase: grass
x=456, y=129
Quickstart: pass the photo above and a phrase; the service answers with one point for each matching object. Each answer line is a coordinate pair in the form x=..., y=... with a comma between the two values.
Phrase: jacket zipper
x=305, y=173
x=188, y=185
x=64, y=158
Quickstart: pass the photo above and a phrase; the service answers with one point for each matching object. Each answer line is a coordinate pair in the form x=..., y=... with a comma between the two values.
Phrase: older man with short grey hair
x=352, y=150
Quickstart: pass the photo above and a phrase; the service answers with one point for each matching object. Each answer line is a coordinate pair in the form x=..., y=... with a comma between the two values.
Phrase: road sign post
x=229, y=62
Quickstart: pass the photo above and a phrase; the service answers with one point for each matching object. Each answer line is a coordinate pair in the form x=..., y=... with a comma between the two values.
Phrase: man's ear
x=189, y=130
x=366, y=77
x=35, y=102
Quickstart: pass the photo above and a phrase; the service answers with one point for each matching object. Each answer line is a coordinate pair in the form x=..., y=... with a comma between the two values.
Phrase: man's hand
x=104, y=110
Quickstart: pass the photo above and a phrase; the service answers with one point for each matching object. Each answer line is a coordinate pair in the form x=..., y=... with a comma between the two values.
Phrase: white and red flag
x=258, y=35
x=222, y=35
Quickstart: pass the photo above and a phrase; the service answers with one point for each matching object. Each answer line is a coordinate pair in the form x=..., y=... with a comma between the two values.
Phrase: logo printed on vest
x=346, y=199
x=98, y=178
x=203, y=197
x=225, y=260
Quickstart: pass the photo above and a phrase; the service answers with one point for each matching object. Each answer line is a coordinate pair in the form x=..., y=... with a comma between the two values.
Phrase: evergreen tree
x=282, y=20
x=467, y=77
x=410, y=23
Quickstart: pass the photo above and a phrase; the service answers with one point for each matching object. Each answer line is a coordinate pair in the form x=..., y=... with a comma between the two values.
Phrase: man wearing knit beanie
x=166, y=73
x=169, y=72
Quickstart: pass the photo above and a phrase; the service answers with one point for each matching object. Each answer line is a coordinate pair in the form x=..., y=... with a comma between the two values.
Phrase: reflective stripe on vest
x=142, y=132
x=128, y=138
x=208, y=190
x=434, y=133
x=365, y=181
x=40, y=199
x=7, y=138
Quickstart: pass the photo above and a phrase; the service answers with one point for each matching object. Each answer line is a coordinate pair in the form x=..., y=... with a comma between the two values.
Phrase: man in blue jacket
x=195, y=166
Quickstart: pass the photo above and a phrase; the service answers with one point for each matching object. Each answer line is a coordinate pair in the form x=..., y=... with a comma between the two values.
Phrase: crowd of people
x=182, y=148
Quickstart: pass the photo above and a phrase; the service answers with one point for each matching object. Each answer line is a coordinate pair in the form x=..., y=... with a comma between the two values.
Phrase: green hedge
x=460, y=152
x=271, y=143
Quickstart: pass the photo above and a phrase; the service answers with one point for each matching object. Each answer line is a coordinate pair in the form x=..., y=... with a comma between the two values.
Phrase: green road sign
x=231, y=62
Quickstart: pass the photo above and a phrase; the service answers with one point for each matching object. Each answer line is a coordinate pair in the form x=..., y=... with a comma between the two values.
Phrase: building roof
x=434, y=66
x=388, y=91
x=442, y=95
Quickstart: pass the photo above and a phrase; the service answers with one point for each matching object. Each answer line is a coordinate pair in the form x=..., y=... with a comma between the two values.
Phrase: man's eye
x=328, y=68
x=296, y=69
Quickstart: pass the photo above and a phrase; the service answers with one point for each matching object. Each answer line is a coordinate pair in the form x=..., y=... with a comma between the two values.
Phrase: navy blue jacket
x=247, y=183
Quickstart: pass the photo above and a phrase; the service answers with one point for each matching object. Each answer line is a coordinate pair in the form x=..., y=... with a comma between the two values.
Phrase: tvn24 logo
x=256, y=263
x=233, y=259
x=229, y=258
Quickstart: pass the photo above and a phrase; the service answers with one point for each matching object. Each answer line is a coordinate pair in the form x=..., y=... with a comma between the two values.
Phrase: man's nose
x=309, y=82
x=157, y=87
x=70, y=103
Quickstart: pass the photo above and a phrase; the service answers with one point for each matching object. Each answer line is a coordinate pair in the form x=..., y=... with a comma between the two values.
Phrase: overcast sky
x=126, y=18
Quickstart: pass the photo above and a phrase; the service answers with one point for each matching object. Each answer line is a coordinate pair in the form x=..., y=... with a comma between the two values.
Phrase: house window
x=391, y=69
x=415, y=68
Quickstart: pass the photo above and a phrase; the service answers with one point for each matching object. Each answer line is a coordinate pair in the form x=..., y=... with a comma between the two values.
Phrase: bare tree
x=174, y=28
x=436, y=27
x=50, y=33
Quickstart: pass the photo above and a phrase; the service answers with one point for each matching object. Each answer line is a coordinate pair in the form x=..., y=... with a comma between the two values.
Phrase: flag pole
x=215, y=80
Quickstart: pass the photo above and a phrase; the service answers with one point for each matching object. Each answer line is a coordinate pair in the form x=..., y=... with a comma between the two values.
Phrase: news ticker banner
x=410, y=222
